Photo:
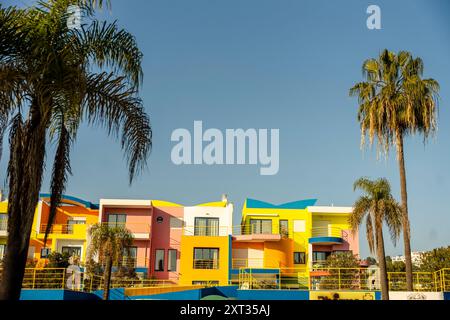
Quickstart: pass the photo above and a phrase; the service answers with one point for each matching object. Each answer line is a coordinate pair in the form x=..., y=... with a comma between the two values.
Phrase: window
x=117, y=220
x=72, y=251
x=320, y=256
x=159, y=260
x=206, y=227
x=299, y=258
x=2, y=250
x=172, y=260
x=284, y=228
x=260, y=226
x=45, y=252
x=3, y=221
x=129, y=257
x=206, y=258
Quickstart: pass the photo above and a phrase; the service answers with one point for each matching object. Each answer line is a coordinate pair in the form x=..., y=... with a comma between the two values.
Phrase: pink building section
x=351, y=242
x=167, y=227
x=138, y=221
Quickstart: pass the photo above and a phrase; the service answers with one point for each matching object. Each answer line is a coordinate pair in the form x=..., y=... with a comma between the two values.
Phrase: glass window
x=117, y=220
x=299, y=258
x=260, y=226
x=45, y=252
x=3, y=221
x=72, y=251
x=206, y=258
x=2, y=250
x=172, y=263
x=284, y=228
x=159, y=260
x=206, y=227
x=319, y=256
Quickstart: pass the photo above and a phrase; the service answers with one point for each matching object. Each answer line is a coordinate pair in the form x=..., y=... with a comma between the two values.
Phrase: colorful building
x=136, y=216
x=69, y=231
x=290, y=238
x=206, y=244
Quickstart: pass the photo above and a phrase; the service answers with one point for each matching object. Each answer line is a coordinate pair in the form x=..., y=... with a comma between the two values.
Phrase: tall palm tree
x=51, y=80
x=108, y=244
x=377, y=206
x=395, y=101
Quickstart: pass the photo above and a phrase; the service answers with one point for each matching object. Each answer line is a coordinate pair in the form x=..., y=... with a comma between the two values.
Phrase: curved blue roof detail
x=300, y=204
x=326, y=240
x=86, y=204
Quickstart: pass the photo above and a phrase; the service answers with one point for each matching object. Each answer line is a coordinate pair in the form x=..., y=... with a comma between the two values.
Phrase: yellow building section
x=310, y=228
x=204, y=260
x=69, y=231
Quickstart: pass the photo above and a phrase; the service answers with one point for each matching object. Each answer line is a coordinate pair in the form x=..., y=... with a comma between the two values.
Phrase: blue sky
x=273, y=64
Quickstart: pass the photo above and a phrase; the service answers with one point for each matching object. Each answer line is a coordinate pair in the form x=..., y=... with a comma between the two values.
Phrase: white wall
x=225, y=215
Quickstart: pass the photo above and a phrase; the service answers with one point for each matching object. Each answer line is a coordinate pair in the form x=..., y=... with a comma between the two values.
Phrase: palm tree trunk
x=107, y=277
x=405, y=219
x=25, y=167
x=382, y=262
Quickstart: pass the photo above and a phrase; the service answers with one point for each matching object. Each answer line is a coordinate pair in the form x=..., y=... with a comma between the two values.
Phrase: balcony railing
x=206, y=264
x=327, y=232
x=63, y=228
x=206, y=231
x=254, y=263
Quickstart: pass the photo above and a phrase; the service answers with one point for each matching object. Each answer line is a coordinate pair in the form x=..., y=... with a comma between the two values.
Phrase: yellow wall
x=299, y=239
x=187, y=271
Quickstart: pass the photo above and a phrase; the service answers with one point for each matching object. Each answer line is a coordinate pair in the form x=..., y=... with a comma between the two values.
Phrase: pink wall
x=350, y=243
x=139, y=220
x=165, y=237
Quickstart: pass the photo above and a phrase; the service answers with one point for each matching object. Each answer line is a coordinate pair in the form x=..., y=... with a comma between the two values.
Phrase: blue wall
x=446, y=295
x=272, y=295
x=181, y=295
x=114, y=294
x=44, y=294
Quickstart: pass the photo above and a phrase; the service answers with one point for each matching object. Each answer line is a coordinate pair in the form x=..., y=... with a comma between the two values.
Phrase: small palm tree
x=377, y=206
x=108, y=244
x=395, y=101
x=53, y=78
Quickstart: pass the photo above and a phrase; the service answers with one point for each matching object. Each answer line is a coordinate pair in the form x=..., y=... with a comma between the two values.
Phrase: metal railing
x=253, y=263
x=327, y=232
x=206, y=231
x=62, y=228
x=206, y=264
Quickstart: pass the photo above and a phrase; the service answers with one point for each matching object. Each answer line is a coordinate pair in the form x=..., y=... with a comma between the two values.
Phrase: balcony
x=206, y=231
x=254, y=263
x=327, y=236
x=69, y=231
x=206, y=264
x=140, y=231
x=252, y=233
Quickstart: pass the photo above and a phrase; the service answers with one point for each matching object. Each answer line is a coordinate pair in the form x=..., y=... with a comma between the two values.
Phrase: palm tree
x=377, y=206
x=394, y=102
x=109, y=244
x=51, y=79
